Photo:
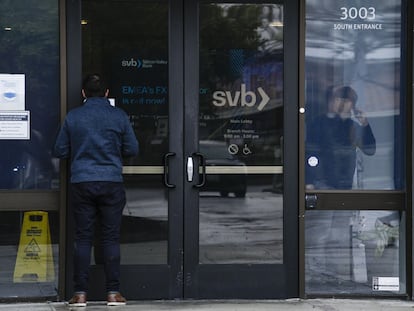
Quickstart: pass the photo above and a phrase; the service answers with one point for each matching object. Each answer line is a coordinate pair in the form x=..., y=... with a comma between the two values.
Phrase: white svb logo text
x=243, y=98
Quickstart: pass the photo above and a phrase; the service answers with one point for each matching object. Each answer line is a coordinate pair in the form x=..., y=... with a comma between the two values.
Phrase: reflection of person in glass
x=332, y=141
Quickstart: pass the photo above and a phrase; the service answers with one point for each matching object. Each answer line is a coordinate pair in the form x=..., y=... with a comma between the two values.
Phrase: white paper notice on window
x=12, y=92
x=381, y=283
x=14, y=125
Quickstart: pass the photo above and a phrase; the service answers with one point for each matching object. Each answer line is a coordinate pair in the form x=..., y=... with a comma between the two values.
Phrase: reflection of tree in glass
x=270, y=31
x=224, y=30
x=229, y=27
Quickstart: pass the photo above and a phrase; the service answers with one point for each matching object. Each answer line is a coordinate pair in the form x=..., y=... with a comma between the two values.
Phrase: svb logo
x=241, y=98
x=131, y=63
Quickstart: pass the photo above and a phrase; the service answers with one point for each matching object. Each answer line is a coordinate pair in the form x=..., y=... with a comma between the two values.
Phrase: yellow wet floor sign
x=34, y=262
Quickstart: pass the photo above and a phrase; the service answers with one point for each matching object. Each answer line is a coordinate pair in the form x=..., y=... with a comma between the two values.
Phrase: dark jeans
x=92, y=200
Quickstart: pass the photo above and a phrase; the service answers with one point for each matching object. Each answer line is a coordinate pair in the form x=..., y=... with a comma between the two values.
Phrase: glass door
x=208, y=214
x=129, y=43
x=239, y=215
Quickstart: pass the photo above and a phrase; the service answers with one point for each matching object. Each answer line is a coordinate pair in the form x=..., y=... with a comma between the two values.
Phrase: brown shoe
x=78, y=300
x=115, y=299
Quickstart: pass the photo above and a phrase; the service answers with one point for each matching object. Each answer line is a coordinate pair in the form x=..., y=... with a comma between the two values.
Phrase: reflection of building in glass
x=250, y=107
x=242, y=98
x=270, y=29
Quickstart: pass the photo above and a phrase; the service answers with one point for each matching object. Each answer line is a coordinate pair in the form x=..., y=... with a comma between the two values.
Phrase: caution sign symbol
x=32, y=250
x=34, y=262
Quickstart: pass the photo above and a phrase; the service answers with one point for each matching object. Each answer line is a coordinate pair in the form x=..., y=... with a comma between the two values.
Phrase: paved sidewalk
x=229, y=305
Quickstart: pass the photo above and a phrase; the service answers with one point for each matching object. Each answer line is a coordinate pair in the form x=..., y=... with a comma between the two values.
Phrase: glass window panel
x=144, y=236
x=354, y=252
x=241, y=132
x=19, y=278
x=351, y=135
x=29, y=46
x=144, y=230
x=241, y=220
x=128, y=42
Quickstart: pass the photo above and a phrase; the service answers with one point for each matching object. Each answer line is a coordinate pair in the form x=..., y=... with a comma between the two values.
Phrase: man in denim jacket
x=96, y=136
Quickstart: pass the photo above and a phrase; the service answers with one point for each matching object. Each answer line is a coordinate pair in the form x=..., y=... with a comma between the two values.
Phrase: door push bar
x=166, y=169
x=202, y=162
x=190, y=169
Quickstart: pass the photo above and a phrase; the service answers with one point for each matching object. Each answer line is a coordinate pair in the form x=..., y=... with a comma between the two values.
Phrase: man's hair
x=346, y=92
x=94, y=86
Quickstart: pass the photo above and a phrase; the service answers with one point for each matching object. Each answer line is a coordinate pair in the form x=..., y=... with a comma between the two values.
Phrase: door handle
x=166, y=169
x=202, y=162
x=190, y=169
x=311, y=201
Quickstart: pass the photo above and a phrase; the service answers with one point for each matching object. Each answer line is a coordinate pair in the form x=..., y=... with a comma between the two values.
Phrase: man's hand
x=359, y=115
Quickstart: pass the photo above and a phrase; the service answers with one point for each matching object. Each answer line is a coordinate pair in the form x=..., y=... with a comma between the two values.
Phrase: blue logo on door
x=9, y=95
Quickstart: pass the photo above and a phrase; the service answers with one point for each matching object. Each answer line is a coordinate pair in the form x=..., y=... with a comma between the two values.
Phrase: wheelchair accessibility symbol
x=246, y=150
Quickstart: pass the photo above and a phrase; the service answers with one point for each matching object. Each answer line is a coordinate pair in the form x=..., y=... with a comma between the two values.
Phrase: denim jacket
x=96, y=136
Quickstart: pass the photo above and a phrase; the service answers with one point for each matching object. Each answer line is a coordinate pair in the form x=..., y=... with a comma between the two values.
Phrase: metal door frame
x=183, y=218
x=277, y=281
